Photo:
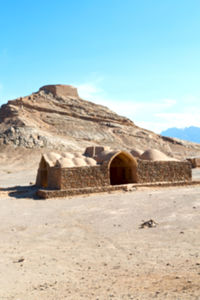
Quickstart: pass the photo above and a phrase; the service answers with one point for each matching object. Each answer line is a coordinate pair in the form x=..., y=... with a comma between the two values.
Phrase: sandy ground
x=92, y=247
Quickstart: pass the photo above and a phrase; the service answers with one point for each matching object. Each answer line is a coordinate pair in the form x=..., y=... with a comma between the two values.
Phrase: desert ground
x=91, y=247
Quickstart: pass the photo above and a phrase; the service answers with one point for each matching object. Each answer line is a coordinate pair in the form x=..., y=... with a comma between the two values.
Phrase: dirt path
x=92, y=248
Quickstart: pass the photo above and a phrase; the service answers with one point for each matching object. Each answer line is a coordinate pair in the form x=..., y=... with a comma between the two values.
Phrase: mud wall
x=82, y=177
x=195, y=162
x=162, y=171
x=54, y=178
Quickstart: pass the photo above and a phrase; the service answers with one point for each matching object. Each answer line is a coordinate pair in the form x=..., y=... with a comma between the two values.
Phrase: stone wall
x=46, y=194
x=99, y=176
x=54, y=178
x=161, y=171
x=82, y=177
x=195, y=162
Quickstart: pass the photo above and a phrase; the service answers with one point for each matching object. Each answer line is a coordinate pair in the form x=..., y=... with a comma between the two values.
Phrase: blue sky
x=139, y=57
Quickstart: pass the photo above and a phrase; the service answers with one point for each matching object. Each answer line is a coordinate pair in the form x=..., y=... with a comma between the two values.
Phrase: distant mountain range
x=191, y=134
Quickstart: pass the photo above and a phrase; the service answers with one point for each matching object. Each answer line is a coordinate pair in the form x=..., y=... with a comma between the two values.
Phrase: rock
x=148, y=224
x=129, y=188
x=19, y=260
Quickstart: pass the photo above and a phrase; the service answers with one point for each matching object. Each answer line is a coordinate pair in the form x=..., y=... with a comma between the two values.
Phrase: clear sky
x=139, y=57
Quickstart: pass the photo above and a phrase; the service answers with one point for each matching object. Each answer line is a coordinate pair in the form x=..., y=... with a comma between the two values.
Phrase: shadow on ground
x=19, y=192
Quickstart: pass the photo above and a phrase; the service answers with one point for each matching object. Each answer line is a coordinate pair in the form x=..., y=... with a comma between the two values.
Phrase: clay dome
x=51, y=158
x=136, y=152
x=79, y=162
x=64, y=163
x=90, y=161
x=78, y=155
x=68, y=155
x=156, y=155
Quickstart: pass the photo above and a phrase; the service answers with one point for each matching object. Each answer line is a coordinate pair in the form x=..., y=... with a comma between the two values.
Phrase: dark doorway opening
x=43, y=174
x=123, y=169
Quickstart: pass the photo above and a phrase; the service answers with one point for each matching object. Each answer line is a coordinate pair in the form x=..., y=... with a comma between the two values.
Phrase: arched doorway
x=43, y=173
x=123, y=169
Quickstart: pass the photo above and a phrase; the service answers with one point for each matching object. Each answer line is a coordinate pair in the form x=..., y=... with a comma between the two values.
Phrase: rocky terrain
x=56, y=118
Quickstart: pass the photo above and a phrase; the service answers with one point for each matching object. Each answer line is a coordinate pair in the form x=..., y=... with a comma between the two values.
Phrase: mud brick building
x=101, y=167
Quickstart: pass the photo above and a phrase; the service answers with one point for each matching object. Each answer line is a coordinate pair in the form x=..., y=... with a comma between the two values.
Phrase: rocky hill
x=56, y=118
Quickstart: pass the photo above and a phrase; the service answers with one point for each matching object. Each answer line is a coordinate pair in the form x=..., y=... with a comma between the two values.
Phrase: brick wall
x=195, y=162
x=159, y=171
x=81, y=177
x=99, y=176
x=54, y=178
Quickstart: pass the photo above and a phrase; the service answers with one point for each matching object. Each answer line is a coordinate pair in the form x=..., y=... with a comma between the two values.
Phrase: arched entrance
x=123, y=169
x=43, y=173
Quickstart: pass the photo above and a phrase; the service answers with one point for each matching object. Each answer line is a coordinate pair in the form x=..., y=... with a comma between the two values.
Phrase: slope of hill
x=56, y=118
x=191, y=133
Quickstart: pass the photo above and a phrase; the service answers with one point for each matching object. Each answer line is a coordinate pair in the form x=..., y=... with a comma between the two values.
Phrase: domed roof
x=156, y=155
x=79, y=162
x=78, y=155
x=90, y=161
x=68, y=155
x=64, y=163
x=51, y=158
x=136, y=152
x=106, y=156
x=68, y=160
